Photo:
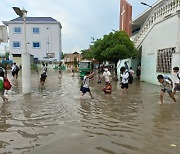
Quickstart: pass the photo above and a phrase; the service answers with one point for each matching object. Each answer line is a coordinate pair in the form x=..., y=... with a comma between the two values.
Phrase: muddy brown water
x=54, y=120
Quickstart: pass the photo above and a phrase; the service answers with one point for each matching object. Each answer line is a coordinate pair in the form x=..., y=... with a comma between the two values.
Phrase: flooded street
x=55, y=120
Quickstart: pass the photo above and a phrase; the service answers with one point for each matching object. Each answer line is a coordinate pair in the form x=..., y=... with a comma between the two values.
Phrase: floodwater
x=54, y=120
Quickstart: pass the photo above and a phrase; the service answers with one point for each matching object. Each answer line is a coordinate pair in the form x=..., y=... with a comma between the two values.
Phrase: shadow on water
x=53, y=118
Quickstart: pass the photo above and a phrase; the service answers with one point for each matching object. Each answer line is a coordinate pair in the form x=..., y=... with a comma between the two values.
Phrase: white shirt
x=86, y=82
x=131, y=71
x=107, y=76
x=125, y=77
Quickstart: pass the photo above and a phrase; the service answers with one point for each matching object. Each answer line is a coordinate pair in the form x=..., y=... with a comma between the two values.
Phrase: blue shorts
x=84, y=90
x=166, y=90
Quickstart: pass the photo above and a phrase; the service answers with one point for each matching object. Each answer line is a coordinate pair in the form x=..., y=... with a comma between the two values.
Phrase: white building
x=156, y=34
x=43, y=35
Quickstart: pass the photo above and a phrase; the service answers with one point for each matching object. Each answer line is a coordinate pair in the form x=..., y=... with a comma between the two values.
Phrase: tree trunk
x=99, y=71
x=116, y=77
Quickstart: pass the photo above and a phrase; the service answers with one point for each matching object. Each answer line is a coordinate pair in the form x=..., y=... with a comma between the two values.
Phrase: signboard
x=3, y=34
x=50, y=55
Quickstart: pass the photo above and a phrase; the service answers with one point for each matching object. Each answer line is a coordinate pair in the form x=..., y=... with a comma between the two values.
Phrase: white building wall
x=48, y=33
x=163, y=35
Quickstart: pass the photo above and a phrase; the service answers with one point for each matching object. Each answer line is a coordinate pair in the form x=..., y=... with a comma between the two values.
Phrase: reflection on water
x=54, y=118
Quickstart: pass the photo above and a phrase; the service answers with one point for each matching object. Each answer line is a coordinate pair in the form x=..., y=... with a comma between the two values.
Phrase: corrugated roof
x=35, y=19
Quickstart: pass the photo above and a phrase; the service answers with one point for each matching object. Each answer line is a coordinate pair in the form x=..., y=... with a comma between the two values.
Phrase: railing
x=163, y=9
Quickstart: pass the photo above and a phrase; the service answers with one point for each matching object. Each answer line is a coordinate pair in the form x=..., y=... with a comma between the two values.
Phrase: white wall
x=163, y=35
x=48, y=33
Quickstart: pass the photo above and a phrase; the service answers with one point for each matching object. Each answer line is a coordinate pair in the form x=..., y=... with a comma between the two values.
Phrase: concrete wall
x=162, y=35
x=48, y=33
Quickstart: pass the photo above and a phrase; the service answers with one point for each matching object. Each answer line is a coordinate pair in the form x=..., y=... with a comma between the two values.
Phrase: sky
x=80, y=19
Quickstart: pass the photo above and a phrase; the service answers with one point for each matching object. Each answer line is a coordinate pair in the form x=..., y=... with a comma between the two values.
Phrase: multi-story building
x=156, y=34
x=43, y=37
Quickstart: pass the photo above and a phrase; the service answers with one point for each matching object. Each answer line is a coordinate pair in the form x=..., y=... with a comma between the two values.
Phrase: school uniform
x=124, y=80
x=85, y=87
x=177, y=85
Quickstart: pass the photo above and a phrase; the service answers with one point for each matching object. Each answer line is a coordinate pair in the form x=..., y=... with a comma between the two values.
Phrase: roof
x=33, y=20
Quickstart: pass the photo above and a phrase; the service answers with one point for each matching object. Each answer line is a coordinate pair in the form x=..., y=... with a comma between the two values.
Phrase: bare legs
x=170, y=94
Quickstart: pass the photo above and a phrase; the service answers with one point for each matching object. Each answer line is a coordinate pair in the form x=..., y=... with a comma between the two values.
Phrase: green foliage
x=118, y=46
x=87, y=54
x=112, y=47
x=62, y=55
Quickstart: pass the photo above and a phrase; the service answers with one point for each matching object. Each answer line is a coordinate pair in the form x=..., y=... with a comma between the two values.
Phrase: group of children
x=126, y=78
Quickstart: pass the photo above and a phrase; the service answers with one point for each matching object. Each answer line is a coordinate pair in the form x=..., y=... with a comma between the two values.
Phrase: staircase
x=163, y=10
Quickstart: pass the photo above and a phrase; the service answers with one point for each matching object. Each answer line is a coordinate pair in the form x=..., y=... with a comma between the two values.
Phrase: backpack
x=178, y=76
x=7, y=85
x=1, y=85
x=167, y=78
x=16, y=69
x=130, y=78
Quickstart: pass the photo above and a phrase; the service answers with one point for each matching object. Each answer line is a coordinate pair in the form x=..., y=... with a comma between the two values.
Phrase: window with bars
x=164, y=60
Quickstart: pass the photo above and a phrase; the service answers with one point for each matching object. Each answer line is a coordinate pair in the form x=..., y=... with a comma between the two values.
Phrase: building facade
x=70, y=57
x=43, y=37
x=156, y=34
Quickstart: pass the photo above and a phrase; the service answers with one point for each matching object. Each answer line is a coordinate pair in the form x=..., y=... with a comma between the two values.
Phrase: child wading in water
x=85, y=85
x=177, y=82
x=2, y=84
x=167, y=85
x=108, y=88
x=43, y=78
x=124, y=80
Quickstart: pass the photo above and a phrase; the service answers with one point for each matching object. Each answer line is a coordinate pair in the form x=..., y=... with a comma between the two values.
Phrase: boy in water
x=85, y=86
x=177, y=82
x=166, y=85
x=124, y=80
x=43, y=78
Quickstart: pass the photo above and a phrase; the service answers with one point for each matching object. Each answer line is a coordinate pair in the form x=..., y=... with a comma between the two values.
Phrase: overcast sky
x=81, y=19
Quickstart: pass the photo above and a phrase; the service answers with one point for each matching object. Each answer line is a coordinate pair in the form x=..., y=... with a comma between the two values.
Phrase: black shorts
x=84, y=90
x=14, y=73
x=124, y=85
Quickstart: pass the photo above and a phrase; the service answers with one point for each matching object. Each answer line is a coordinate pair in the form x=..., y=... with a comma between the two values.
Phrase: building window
x=17, y=30
x=35, y=30
x=16, y=45
x=36, y=44
x=164, y=60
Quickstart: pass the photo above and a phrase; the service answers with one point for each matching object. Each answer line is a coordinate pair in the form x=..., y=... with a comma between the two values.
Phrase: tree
x=117, y=46
x=87, y=54
x=62, y=55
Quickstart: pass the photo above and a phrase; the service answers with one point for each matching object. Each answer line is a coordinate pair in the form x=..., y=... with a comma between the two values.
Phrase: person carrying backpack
x=124, y=76
x=15, y=70
x=167, y=85
x=177, y=82
x=2, y=84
